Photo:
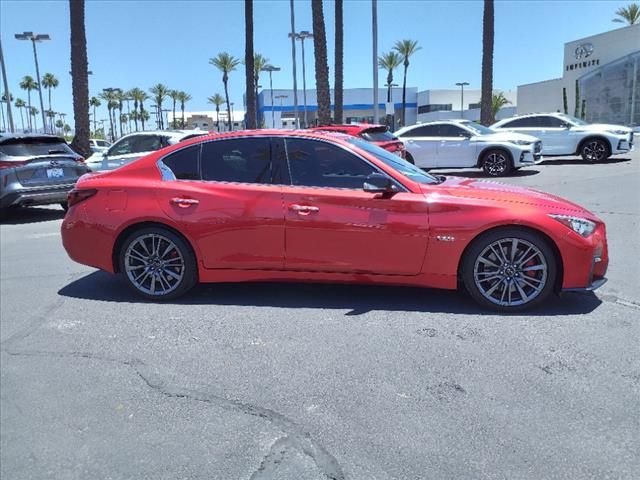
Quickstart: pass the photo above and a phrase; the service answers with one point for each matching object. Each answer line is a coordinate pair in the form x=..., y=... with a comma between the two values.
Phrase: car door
x=455, y=148
x=234, y=214
x=422, y=143
x=333, y=225
x=556, y=135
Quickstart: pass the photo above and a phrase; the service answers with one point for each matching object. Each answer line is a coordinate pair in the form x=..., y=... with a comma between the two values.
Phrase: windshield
x=405, y=168
x=34, y=146
x=574, y=120
x=476, y=127
x=378, y=135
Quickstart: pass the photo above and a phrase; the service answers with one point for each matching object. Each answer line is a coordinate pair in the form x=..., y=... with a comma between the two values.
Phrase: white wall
x=540, y=97
x=473, y=115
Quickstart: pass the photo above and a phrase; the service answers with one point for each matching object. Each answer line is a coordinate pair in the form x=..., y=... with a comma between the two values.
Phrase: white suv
x=563, y=134
x=464, y=144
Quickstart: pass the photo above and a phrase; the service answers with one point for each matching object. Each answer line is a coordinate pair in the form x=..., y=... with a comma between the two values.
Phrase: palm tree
x=389, y=61
x=33, y=111
x=225, y=63
x=159, y=92
x=629, y=15
x=123, y=120
x=486, y=118
x=216, y=100
x=51, y=115
x=49, y=81
x=120, y=97
x=338, y=87
x=322, y=67
x=20, y=105
x=139, y=96
x=144, y=116
x=94, y=102
x=406, y=48
x=260, y=62
x=80, y=79
x=175, y=97
x=59, y=124
x=28, y=84
x=250, y=69
x=498, y=100
x=109, y=96
x=183, y=98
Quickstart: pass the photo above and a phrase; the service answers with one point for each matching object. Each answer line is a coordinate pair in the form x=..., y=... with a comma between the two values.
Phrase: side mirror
x=378, y=183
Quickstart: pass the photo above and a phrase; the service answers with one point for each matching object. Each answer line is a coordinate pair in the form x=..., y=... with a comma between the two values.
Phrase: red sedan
x=376, y=134
x=296, y=205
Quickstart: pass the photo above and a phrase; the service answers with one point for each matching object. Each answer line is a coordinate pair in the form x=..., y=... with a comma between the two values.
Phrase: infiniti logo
x=584, y=50
x=55, y=163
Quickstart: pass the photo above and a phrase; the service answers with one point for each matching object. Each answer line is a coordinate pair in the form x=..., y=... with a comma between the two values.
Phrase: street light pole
x=293, y=57
x=302, y=36
x=462, y=85
x=271, y=69
x=36, y=38
x=7, y=95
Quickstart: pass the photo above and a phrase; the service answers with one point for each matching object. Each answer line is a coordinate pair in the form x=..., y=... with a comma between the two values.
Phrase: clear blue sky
x=145, y=42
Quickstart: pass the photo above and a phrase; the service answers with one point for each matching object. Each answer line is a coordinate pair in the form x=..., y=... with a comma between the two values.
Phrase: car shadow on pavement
x=358, y=299
x=480, y=174
x=20, y=216
x=580, y=161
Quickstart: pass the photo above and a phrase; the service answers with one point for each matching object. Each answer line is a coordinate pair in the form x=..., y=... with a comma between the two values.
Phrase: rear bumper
x=36, y=196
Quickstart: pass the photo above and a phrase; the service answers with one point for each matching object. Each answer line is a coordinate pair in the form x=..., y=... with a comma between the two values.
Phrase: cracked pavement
x=285, y=381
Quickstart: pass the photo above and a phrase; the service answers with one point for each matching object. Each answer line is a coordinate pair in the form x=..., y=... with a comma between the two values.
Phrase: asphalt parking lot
x=287, y=381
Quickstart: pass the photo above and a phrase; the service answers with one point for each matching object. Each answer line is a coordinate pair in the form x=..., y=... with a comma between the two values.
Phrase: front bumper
x=36, y=196
x=590, y=288
x=528, y=158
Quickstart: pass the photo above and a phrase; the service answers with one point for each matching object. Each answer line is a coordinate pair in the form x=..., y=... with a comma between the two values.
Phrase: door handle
x=184, y=202
x=303, y=209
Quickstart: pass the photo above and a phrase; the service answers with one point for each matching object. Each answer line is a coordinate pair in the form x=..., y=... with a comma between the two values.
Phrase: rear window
x=378, y=135
x=32, y=147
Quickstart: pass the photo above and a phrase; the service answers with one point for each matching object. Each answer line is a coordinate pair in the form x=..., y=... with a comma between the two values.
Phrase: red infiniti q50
x=298, y=205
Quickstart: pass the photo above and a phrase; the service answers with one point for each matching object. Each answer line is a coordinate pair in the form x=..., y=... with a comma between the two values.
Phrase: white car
x=465, y=144
x=137, y=145
x=98, y=145
x=563, y=134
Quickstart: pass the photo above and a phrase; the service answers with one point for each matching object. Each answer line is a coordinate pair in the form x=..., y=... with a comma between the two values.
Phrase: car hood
x=484, y=190
x=600, y=127
x=504, y=137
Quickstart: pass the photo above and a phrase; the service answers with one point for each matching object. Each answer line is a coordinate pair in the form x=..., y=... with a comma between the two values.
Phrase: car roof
x=353, y=128
x=6, y=136
x=535, y=114
x=168, y=133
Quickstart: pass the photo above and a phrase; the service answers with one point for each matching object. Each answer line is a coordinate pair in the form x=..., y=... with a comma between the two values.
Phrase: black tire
x=409, y=158
x=65, y=206
x=595, y=150
x=183, y=255
x=496, y=162
x=536, y=282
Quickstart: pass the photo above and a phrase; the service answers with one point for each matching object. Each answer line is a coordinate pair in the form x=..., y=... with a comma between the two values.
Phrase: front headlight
x=618, y=132
x=520, y=142
x=581, y=226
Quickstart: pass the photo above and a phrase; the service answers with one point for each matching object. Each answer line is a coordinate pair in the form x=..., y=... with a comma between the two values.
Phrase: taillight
x=5, y=164
x=77, y=196
x=79, y=159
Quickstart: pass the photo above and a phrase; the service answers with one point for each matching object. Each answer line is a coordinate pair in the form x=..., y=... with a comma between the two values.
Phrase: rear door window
x=527, y=122
x=240, y=160
x=184, y=163
x=446, y=130
x=423, y=131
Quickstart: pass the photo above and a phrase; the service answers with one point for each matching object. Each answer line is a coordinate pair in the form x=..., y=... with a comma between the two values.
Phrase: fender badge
x=445, y=238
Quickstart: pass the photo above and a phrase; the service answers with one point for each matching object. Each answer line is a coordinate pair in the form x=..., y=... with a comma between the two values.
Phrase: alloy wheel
x=510, y=272
x=495, y=164
x=154, y=264
x=594, y=151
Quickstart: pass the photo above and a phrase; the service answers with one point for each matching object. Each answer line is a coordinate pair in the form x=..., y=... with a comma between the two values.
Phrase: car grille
x=537, y=147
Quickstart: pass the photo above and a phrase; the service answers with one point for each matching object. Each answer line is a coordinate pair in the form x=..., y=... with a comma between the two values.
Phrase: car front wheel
x=509, y=270
x=594, y=150
x=158, y=264
x=496, y=163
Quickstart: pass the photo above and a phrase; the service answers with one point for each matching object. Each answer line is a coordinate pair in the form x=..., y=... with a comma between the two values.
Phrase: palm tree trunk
x=322, y=67
x=50, y=121
x=29, y=111
x=21, y=119
x=80, y=78
x=173, y=118
x=486, y=118
x=250, y=80
x=338, y=88
x=217, y=118
x=226, y=94
x=404, y=94
x=182, y=110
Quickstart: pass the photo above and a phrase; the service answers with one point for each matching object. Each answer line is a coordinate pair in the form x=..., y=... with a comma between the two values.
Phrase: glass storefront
x=611, y=94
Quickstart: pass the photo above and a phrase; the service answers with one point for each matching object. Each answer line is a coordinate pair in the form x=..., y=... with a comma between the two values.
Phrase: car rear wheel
x=496, y=163
x=158, y=264
x=594, y=150
x=509, y=270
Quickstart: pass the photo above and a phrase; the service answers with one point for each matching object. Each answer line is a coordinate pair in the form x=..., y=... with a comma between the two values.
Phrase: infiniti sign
x=584, y=50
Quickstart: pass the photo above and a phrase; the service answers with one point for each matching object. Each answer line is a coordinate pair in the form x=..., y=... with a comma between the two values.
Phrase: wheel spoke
x=533, y=268
x=523, y=296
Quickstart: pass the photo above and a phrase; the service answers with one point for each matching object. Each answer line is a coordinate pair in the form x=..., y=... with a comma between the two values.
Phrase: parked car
x=466, y=144
x=37, y=169
x=376, y=134
x=566, y=135
x=98, y=145
x=136, y=145
x=298, y=205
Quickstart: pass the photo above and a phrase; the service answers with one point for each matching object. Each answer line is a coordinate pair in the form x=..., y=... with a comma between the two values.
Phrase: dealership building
x=600, y=80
